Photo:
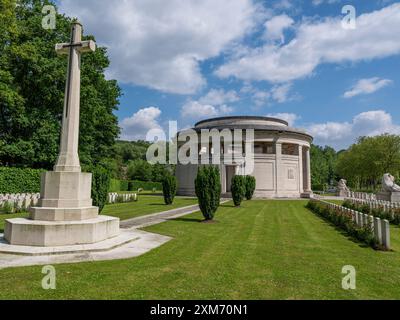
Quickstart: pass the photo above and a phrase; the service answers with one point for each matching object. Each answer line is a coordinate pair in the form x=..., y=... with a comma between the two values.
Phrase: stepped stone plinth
x=65, y=214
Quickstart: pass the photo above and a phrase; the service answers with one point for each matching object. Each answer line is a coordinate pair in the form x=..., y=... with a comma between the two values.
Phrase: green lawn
x=146, y=205
x=264, y=250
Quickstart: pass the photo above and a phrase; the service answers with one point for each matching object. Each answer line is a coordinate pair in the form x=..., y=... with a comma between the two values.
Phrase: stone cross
x=68, y=159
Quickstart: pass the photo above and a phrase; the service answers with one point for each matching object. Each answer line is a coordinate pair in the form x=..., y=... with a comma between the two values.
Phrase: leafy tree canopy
x=32, y=83
x=364, y=164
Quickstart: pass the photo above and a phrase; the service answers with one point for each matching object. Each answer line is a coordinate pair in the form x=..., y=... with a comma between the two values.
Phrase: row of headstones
x=362, y=195
x=17, y=202
x=380, y=227
x=386, y=206
x=118, y=198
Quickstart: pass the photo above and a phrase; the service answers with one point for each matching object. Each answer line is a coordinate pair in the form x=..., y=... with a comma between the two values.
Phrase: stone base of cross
x=65, y=214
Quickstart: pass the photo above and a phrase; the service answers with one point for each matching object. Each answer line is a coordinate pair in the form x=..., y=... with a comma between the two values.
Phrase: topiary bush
x=238, y=190
x=250, y=184
x=169, y=186
x=100, y=185
x=208, y=190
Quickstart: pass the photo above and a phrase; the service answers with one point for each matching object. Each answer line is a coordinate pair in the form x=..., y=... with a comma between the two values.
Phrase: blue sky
x=186, y=60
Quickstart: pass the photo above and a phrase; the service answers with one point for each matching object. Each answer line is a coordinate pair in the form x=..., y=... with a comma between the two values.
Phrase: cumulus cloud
x=213, y=104
x=290, y=118
x=367, y=86
x=276, y=26
x=219, y=97
x=160, y=44
x=281, y=93
x=195, y=110
x=136, y=127
x=277, y=94
x=317, y=42
x=342, y=134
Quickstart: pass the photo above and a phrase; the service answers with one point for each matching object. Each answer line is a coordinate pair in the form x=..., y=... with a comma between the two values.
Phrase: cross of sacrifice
x=68, y=159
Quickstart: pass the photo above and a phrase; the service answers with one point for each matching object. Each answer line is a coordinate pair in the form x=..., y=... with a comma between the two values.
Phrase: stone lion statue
x=388, y=184
x=342, y=185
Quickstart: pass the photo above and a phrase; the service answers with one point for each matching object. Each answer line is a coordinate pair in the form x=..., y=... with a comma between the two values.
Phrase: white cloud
x=159, y=44
x=219, y=97
x=137, y=126
x=317, y=42
x=277, y=94
x=281, y=93
x=195, y=110
x=319, y=2
x=342, y=134
x=367, y=86
x=276, y=26
x=290, y=118
x=261, y=98
x=283, y=4
x=213, y=104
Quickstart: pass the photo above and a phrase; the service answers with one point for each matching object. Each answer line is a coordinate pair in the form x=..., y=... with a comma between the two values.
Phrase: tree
x=208, y=190
x=32, y=83
x=238, y=189
x=250, y=184
x=170, y=185
x=323, y=166
x=140, y=170
x=365, y=162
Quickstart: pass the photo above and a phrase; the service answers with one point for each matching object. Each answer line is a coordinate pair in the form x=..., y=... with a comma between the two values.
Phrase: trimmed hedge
x=208, y=190
x=169, y=186
x=100, y=184
x=18, y=180
x=125, y=185
x=147, y=186
x=250, y=182
x=118, y=185
x=238, y=190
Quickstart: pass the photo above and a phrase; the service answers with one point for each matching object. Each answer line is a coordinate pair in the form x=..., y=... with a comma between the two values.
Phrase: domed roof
x=251, y=122
x=241, y=120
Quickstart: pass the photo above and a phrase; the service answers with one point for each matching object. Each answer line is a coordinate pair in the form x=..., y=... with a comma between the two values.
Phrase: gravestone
x=65, y=214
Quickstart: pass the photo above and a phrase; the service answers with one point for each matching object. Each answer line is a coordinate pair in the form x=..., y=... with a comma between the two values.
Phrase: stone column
x=308, y=163
x=278, y=161
x=301, y=181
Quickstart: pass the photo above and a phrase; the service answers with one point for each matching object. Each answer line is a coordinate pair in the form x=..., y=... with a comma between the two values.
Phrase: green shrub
x=250, y=182
x=208, y=190
x=100, y=184
x=17, y=180
x=238, y=190
x=115, y=185
x=145, y=185
x=169, y=186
